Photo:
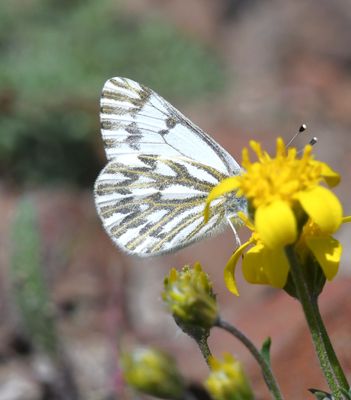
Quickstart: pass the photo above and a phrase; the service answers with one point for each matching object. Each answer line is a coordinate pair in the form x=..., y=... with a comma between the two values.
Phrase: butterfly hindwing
x=152, y=205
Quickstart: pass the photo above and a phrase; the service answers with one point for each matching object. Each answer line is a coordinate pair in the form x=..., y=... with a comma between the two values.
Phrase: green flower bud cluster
x=152, y=372
x=227, y=380
x=189, y=296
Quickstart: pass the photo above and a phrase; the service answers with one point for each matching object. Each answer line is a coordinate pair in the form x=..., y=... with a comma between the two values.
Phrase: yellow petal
x=323, y=207
x=277, y=267
x=265, y=266
x=276, y=224
x=331, y=177
x=346, y=219
x=225, y=186
x=252, y=265
x=229, y=269
x=327, y=251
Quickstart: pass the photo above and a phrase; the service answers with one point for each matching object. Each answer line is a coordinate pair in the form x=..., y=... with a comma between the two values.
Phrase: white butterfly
x=151, y=194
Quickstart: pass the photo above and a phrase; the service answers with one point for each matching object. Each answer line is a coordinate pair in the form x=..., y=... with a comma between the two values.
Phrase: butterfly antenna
x=312, y=142
x=302, y=129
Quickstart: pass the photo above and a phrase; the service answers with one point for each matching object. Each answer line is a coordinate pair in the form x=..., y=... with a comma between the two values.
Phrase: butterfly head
x=233, y=205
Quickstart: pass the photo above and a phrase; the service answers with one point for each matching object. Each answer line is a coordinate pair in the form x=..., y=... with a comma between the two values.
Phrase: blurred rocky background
x=241, y=69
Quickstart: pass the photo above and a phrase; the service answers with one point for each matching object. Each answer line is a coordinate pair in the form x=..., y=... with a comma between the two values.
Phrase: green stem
x=265, y=367
x=326, y=355
x=339, y=373
x=203, y=346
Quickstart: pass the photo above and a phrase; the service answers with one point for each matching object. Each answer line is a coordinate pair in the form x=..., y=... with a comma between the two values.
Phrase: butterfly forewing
x=135, y=119
x=151, y=194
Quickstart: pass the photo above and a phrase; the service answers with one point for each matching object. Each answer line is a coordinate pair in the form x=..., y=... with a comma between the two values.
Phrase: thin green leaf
x=321, y=394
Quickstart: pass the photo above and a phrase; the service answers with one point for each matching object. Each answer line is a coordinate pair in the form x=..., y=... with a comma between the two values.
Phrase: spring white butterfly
x=151, y=194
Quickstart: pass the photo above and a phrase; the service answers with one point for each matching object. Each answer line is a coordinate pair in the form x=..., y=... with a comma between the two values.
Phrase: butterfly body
x=151, y=194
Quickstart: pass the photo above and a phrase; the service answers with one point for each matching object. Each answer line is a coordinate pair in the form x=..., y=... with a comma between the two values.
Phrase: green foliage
x=55, y=57
x=28, y=283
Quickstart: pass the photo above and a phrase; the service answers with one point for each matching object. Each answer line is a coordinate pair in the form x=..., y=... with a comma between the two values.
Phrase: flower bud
x=152, y=372
x=189, y=296
x=227, y=380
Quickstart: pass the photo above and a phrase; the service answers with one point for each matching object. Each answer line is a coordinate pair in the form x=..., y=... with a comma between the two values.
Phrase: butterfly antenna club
x=302, y=129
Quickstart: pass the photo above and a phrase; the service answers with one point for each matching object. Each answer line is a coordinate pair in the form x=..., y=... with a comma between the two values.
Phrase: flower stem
x=325, y=352
x=339, y=373
x=203, y=346
x=265, y=367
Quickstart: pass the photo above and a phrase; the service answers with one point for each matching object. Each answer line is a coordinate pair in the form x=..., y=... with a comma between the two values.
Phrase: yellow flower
x=282, y=192
x=287, y=206
x=227, y=380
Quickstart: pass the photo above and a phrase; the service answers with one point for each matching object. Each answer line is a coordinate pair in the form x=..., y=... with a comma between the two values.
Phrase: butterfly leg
x=231, y=224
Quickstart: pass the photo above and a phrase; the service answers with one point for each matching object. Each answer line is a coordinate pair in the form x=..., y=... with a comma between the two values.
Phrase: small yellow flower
x=152, y=372
x=287, y=205
x=281, y=190
x=227, y=380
